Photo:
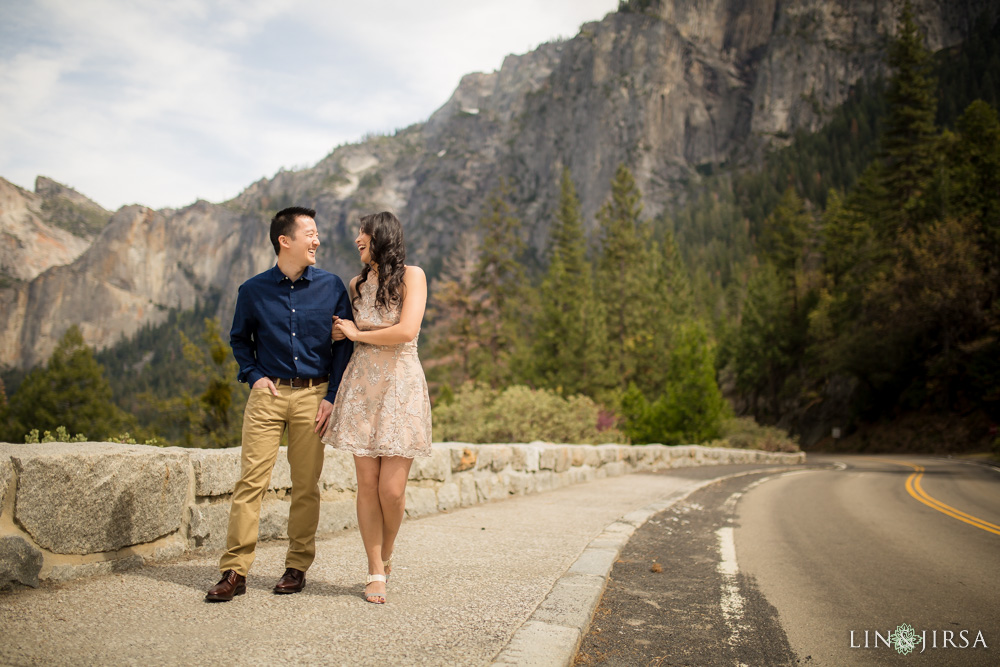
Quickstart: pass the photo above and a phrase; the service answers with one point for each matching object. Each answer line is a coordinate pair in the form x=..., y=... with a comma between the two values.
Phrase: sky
x=164, y=103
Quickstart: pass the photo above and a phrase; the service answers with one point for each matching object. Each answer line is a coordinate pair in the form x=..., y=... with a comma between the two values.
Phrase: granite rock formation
x=681, y=86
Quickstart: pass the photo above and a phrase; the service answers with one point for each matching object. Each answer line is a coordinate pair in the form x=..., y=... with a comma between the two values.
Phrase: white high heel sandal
x=379, y=598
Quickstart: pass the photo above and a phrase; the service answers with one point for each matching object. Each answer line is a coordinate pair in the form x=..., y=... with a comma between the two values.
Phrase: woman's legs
x=381, y=502
x=370, y=519
x=392, y=497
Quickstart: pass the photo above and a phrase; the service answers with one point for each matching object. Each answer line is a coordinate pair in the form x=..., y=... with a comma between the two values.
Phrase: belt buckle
x=299, y=383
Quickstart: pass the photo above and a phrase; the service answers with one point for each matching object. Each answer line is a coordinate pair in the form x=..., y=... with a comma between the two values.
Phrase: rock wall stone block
x=449, y=497
x=274, y=519
x=338, y=470
x=467, y=489
x=591, y=457
x=484, y=458
x=215, y=470
x=463, y=455
x=208, y=524
x=337, y=515
x=501, y=457
x=20, y=562
x=609, y=453
x=436, y=467
x=420, y=501
x=79, y=498
x=526, y=458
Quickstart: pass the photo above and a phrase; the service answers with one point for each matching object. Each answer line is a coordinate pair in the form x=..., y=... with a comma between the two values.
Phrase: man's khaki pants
x=264, y=420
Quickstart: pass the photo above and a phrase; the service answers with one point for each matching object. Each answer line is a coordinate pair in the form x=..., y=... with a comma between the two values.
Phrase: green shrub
x=61, y=435
x=745, y=433
x=126, y=438
x=479, y=414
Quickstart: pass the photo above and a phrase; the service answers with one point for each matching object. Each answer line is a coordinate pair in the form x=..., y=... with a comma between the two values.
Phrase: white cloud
x=162, y=103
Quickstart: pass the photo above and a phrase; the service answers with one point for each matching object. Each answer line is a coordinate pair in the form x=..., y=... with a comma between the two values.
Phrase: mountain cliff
x=48, y=227
x=677, y=87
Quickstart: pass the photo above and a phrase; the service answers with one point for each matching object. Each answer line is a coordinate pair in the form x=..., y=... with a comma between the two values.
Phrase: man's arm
x=241, y=339
x=341, y=350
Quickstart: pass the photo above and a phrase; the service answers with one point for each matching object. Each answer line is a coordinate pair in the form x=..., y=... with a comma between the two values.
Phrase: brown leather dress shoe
x=231, y=584
x=292, y=581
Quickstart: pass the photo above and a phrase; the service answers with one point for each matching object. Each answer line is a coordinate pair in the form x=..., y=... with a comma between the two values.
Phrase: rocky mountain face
x=680, y=87
x=143, y=263
x=48, y=227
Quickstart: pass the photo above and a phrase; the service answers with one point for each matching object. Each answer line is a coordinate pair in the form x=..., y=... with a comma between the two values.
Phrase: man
x=281, y=337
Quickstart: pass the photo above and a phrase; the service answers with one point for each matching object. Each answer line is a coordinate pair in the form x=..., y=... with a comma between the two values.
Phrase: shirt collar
x=277, y=276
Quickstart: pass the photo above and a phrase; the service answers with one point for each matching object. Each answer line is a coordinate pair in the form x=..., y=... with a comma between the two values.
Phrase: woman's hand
x=345, y=328
x=335, y=333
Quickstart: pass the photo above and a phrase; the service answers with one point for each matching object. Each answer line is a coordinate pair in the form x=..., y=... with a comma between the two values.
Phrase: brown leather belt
x=299, y=383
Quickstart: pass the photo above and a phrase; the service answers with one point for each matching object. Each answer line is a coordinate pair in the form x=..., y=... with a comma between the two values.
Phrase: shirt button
x=296, y=358
x=293, y=310
x=293, y=334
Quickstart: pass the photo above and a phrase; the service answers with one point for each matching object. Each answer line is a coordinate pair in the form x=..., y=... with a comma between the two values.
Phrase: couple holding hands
x=333, y=366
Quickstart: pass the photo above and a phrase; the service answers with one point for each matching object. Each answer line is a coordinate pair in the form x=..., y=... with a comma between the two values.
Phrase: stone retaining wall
x=77, y=509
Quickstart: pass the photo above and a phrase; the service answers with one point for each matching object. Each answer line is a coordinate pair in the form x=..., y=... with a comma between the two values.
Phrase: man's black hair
x=283, y=223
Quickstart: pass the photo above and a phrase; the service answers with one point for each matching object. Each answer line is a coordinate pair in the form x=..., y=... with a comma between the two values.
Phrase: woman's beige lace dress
x=382, y=407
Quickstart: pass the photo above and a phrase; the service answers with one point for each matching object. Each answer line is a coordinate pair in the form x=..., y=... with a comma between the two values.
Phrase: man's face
x=303, y=242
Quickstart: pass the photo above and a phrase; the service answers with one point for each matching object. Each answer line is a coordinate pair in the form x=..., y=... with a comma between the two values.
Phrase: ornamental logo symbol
x=904, y=639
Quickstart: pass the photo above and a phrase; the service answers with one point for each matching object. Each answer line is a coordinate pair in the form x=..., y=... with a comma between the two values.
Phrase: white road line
x=733, y=604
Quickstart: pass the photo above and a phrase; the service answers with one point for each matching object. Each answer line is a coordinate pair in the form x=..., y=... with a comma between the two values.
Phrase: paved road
x=862, y=549
x=663, y=604
x=774, y=568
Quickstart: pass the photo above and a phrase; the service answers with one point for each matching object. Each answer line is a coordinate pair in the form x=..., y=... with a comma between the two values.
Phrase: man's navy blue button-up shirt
x=282, y=329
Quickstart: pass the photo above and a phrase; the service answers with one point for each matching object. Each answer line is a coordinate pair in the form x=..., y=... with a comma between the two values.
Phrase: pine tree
x=70, y=391
x=976, y=174
x=784, y=234
x=848, y=241
x=212, y=402
x=628, y=280
x=670, y=307
x=500, y=279
x=675, y=283
x=691, y=407
x=764, y=350
x=909, y=142
x=570, y=340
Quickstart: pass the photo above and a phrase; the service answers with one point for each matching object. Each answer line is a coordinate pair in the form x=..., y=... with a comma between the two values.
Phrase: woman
x=382, y=413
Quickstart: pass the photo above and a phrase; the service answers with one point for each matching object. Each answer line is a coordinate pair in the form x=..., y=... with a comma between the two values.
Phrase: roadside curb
x=552, y=635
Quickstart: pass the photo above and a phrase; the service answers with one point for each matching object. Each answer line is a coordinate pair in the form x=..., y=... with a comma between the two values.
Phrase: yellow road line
x=914, y=489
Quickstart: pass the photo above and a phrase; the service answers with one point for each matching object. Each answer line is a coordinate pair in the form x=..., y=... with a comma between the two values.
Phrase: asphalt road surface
x=826, y=564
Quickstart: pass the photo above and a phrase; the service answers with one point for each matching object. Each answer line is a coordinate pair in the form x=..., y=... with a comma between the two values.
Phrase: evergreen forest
x=843, y=289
